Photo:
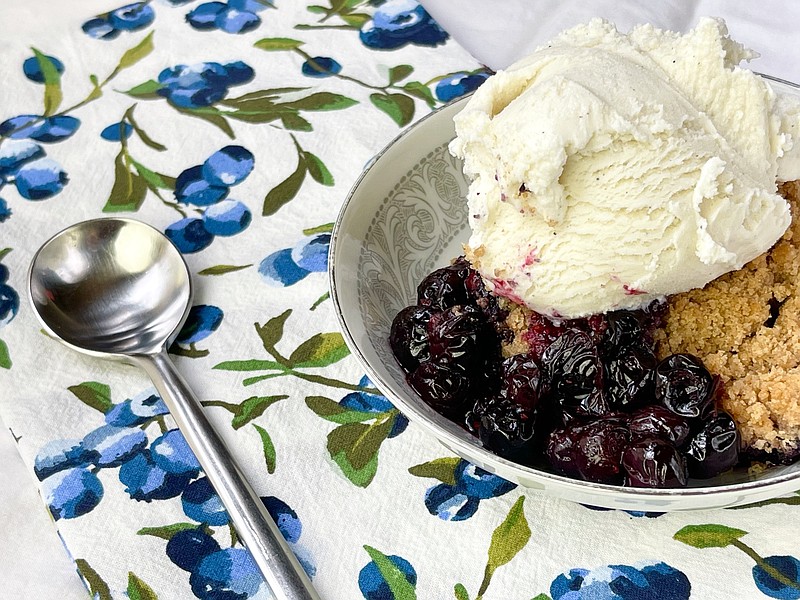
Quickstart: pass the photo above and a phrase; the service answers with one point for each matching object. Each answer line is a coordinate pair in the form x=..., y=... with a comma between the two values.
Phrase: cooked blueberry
x=506, y=428
x=684, y=386
x=592, y=452
x=522, y=381
x=623, y=330
x=715, y=448
x=459, y=335
x=654, y=463
x=439, y=385
x=576, y=374
x=658, y=421
x=409, y=336
x=445, y=287
x=540, y=334
x=629, y=377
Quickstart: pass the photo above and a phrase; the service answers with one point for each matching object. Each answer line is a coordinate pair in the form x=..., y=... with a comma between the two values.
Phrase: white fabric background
x=35, y=564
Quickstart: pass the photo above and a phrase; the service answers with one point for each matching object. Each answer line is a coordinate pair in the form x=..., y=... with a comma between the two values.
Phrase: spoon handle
x=277, y=562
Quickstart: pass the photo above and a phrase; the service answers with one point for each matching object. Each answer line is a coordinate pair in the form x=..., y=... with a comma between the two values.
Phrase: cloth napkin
x=237, y=128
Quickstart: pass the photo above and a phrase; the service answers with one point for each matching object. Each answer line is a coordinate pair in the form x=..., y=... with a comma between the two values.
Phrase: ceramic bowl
x=405, y=217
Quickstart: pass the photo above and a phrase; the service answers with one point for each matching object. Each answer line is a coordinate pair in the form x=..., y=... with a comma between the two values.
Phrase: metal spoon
x=117, y=288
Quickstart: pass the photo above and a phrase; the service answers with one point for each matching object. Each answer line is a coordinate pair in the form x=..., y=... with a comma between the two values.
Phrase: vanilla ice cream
x=608, y=170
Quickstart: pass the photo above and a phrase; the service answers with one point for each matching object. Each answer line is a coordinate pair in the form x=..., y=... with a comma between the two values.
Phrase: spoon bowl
x=111, y=287
x=117, y=288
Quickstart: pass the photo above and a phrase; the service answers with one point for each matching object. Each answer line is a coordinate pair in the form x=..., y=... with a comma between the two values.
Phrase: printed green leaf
x=324, y=228
x=137, y=53
x=398, y=106
x=138, y=589
x=508, y=539
x=165, y=532
x=52, y=83
x=5, y=356
x=460, y=592
x=268, y=94
x=129, y=189
x=97, y=91
x=400, y=587
x=222, y=269
x=143, y=134
x=155, y=180
x=284, y=191
x=708, y=536
x=98, y=588
x=278, y=43
x=317, y=169
x=268, y=447
x=541, y=597
x=214, y=118
x=358, y=441
x=359, y=477
x=294, y=122
x=320, y=350
x=321, y=101
x=271, y=332
x=146, y=90
x=253, y=407
x=399, y=73
x=356, y=20
x=93, y=394
x=421, y=91
x=443, y=469
x=4, y=252
x=336, y=413
x=247, y=365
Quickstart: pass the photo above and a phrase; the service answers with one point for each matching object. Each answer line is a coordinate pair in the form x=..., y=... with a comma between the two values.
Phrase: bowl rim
x=459, y=446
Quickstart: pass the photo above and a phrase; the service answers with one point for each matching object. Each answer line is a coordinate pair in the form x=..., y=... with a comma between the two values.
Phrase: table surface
x=28, y=539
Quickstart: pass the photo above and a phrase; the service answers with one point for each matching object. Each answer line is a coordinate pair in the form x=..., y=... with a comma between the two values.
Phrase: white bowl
x=406, y=216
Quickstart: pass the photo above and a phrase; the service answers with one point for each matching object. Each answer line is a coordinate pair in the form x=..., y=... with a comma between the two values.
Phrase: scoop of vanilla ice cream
x=608, y=170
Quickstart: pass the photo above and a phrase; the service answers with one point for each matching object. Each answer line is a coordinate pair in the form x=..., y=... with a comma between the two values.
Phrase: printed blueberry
x=312, y=255
x=449, y=503
x=477, y=483
x=278, y=269
x=72, y=493
x=285, y=518
x=305, y=559
x=3, y=273
x=192, y=188
x=56, y=129
x=228, y=166
x=40, y=179
x=189, y=235
x=372, y=583
x=132, y=17
x=226, y=218
x=145, y=481
x=188, y=547
x=110, y=446
x=116, y=132
x=623, y=582
x=400, y=22
x=171, y=452
x=33, y=70
x=193, y=86
x=231, y=20
x=5, y=212
x=320, y=66
x=58, y=455
x=201, y=503
x=250, y=5
x=202, y=321
x=9, y=304
x=136, y=410
x=203, y=16
x=21, y=126
x=238, y=72
x=228, y=574
x=15, y=153
x=455, y=86
x=100, y=28
x=789, y=567
x=374, y=403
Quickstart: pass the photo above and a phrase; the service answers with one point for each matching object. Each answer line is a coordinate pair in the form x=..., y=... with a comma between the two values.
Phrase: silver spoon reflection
x=117, y=288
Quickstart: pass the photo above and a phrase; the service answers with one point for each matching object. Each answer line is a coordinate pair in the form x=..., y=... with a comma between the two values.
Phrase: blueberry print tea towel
x=237, y=128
